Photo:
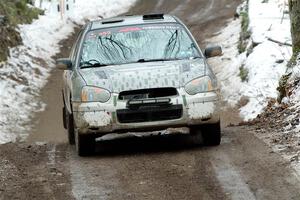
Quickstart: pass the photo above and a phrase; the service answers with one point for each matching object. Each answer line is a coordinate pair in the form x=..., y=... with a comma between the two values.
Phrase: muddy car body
x=138, y=73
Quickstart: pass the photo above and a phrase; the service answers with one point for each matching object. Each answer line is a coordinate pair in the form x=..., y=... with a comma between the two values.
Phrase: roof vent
x=112, y=21
x=153, y=16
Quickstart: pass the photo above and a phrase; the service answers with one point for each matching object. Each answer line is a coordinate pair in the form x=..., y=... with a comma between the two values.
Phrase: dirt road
x=160, y=167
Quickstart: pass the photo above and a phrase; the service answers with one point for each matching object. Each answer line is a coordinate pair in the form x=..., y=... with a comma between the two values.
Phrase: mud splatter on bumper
x=101, y=118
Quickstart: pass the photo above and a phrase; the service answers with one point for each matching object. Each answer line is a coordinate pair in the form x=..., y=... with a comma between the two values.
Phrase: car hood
x=118, y=78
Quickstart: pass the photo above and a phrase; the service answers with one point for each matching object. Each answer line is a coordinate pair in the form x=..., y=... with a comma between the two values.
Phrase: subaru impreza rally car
x=138, y=73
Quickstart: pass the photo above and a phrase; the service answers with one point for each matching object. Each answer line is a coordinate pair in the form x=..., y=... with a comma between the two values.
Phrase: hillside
x=13, y=13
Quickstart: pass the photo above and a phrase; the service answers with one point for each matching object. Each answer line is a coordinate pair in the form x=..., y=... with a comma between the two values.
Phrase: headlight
x=199, y=85
x=94, y=94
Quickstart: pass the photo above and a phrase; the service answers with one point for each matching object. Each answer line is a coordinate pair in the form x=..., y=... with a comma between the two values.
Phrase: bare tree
x=294, y=7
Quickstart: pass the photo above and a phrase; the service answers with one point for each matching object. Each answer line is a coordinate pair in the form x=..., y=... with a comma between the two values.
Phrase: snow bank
x=284, y=137
x=27, y=70
x=265, y=64
x=293, y=101
x=227, y=66
x=279, y=125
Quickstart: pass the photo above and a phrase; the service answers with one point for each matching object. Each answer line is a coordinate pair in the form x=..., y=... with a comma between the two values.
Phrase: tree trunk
x=294, y=7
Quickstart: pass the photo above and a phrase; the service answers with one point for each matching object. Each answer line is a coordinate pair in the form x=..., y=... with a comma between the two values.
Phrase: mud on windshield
x=139, y=43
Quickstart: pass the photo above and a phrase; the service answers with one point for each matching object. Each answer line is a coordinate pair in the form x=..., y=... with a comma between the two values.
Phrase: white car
x=138, y=73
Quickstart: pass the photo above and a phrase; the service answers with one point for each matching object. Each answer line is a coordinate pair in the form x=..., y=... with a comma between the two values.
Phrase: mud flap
x=85, y=144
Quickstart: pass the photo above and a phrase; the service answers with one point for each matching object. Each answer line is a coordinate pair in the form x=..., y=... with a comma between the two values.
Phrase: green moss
x=16, y=12
x=293, y=61
x=245, y=22
x=242, y=46
x=245, y=33
x=282, y=87
x=244, y=72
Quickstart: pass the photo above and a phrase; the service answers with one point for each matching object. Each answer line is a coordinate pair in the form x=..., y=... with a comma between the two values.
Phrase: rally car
x=138, y=73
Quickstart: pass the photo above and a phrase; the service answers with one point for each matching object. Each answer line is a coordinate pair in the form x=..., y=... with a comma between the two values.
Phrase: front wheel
x=209, y=134
x=69, y=125
x=212, y=134
x=85, y=144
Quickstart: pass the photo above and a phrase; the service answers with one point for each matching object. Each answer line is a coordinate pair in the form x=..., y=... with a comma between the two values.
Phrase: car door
x=67, y=76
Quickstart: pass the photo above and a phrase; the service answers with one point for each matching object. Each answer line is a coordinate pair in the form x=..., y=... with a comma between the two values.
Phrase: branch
x=278, y=42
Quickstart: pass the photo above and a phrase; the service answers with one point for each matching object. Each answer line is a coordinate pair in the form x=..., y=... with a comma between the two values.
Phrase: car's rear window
x=129, y=44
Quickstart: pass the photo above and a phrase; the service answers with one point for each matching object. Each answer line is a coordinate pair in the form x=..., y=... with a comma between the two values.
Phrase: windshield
x=139, y=43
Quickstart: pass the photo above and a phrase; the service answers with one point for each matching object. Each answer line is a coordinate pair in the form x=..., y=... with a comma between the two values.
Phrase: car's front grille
x=150, y=114
x=148, y=93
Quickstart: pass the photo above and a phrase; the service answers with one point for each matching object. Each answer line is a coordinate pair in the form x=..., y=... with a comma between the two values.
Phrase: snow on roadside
x=227, y=66
x=265, y=64
x=292, y=123
x=29, y=66
x=289, y=137
x=279, y=124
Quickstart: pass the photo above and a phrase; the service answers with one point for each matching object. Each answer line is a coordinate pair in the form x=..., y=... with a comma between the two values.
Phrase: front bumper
x=102, y=118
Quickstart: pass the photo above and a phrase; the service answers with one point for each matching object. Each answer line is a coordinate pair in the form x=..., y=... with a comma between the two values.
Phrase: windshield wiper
x=156, y=60
x=91, y=64
x=196, y=57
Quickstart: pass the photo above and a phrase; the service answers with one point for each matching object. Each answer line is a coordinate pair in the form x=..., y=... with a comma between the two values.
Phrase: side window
x=75, y=47
x=72, y=52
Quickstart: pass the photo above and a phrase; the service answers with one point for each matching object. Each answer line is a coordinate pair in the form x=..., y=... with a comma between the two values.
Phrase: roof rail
x=112, y=21
x=153, y=16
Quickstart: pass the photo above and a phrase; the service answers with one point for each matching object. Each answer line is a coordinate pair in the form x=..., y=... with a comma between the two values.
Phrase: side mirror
x=64, y=64
x=213, y=51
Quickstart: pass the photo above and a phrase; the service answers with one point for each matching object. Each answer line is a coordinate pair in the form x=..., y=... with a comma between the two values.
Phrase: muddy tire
x=211, y=134
x=69, y=125
x=64, y=117
x=85, y=144
x=196, y=135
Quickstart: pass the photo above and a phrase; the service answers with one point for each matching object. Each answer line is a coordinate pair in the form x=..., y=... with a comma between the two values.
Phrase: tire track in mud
x=34, y=172
x=170, y=175
x=159, y=4
x=203, y=12
x=261, y=171
x=179, y=10
x=231, y=180
x=86, y=181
